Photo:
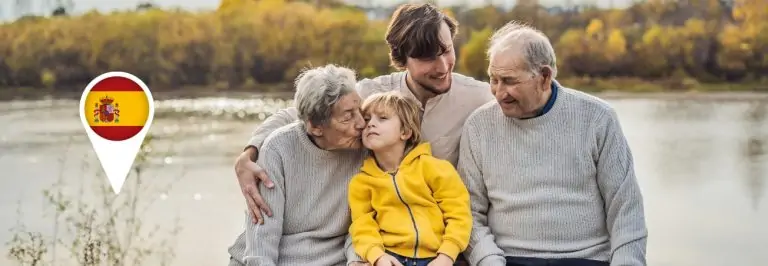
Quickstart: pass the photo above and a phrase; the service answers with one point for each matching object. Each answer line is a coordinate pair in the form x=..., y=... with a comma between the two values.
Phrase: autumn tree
x=473, y=60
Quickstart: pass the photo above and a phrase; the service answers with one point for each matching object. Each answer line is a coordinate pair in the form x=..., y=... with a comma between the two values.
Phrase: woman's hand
x=387, y=260
x=248, y=175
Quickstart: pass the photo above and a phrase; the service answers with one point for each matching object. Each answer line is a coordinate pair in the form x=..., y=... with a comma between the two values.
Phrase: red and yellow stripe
x=128, y=113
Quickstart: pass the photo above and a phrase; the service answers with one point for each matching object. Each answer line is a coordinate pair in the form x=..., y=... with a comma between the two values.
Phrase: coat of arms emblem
x=106, y=111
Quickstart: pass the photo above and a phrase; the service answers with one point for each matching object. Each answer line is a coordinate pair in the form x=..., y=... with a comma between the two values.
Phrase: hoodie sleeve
x=453, y=199
x=366, y=239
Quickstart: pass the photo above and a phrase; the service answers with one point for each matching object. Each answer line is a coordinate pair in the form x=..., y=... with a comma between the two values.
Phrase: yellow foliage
x=249, y=42
x=695, y=27
x=595, y=27
x=473, y=60
x=616, y=46
x=571, y=42
x=735, y=49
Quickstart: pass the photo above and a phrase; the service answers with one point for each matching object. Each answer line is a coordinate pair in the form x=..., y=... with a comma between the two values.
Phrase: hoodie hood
x=371, y=168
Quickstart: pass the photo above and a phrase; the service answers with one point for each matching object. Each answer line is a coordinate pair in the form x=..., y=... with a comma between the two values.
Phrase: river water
x=702, y=165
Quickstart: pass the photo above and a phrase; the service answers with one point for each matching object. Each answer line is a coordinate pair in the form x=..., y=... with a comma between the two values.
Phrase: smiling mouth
x=439, y=77
x=510, y=101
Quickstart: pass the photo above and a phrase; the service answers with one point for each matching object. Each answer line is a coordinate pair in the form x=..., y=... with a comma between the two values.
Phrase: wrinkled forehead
x=507, y=62
x=347, y=103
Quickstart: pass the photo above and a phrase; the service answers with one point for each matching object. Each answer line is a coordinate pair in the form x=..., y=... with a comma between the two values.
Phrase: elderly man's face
x=346, y=124
x=434, y=74
x=520, y=93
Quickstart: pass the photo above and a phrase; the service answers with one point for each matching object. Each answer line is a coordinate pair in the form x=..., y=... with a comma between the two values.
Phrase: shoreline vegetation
x=260, y=46
x=607, y=88
x=101, y=228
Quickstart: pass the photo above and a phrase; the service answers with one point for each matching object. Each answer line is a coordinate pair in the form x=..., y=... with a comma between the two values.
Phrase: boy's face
x=383, y=131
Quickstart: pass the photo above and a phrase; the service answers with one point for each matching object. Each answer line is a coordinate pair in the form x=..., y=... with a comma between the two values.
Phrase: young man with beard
x=420, y=39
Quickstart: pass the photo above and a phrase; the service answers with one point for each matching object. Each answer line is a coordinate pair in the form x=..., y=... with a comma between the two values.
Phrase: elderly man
x=311, y=162
x=549, y=171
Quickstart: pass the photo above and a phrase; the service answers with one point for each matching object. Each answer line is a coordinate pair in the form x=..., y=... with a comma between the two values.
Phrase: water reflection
x=755, y=149
x=702, y=165
x=696, y=142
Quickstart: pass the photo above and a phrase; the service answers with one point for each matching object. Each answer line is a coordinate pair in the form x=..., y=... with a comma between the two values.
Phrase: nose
x=371, y=123
x=442, y=64
x=508, y=90
x=359, y=121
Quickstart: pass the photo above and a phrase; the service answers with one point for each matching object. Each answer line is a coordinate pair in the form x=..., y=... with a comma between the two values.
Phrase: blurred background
x=689, y=80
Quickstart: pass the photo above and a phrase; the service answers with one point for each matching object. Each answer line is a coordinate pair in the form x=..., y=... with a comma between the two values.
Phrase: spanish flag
x=119, y=108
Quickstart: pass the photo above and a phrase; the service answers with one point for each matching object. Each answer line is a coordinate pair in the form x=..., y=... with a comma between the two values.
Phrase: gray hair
x=536, y=48
x=319, y=89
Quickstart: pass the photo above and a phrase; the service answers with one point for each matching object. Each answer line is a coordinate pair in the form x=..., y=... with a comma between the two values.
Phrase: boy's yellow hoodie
x=420, y=211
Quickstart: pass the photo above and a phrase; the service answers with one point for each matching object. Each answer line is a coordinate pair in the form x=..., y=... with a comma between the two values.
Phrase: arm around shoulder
x=364, y=230
x=619, y=188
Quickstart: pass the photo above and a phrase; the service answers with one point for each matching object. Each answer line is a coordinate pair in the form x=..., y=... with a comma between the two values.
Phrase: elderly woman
x=311, y=162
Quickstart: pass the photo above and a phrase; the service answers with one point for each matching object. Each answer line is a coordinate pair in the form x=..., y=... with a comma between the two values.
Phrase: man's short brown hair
x=394, y=103
x=414, y=32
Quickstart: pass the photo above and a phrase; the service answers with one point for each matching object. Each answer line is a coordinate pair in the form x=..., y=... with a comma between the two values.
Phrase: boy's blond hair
x=405, y=108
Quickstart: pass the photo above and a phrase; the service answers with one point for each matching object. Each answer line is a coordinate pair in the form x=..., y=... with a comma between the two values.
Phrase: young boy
x=408, y=208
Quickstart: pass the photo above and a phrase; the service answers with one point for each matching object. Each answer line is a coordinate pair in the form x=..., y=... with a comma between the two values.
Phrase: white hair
x=535, y=46
x=319, y=89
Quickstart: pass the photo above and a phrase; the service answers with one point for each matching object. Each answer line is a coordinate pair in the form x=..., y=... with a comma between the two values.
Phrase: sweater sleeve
x=349, y=251
x=280, y=118
x=482, y=249
x=453, y=200
x=263, y=240
x=625, y=217
x=364, y=230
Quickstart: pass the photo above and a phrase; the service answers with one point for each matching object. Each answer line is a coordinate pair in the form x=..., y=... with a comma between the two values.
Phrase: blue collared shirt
x=551, y=101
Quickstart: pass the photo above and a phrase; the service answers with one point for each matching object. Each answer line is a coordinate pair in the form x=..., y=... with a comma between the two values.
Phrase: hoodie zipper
x=413, y=219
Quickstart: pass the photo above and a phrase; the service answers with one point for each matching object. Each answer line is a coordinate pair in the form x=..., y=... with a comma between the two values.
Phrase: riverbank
x=604, y=88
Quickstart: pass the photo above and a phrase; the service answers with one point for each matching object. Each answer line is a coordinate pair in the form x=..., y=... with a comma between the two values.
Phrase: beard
x=432, y=89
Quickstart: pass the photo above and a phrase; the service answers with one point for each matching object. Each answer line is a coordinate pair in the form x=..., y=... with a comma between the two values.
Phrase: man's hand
x=387, y=260
x=248, y=175
x=441, y=260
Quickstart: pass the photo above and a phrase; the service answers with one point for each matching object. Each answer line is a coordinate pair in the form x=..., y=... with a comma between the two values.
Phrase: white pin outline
x=116, y=157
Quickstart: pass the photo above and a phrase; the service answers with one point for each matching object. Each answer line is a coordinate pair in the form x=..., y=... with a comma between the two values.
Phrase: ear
x=405, y=134
x=546, y=73
x=314, y=130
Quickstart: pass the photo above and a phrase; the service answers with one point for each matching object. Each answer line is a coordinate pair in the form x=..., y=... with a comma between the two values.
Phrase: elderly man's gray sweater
x=311, y=217
x=561, y=185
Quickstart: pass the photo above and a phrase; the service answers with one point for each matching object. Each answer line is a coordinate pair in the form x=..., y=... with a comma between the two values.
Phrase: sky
x=7, y=12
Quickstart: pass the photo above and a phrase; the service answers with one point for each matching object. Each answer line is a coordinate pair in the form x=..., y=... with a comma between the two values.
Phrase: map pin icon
x=116, y=109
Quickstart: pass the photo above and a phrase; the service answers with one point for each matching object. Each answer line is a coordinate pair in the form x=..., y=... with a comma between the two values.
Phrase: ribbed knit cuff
x=493, y=260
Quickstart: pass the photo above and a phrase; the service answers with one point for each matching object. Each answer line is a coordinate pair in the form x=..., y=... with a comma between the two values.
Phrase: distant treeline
x=245, y=43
